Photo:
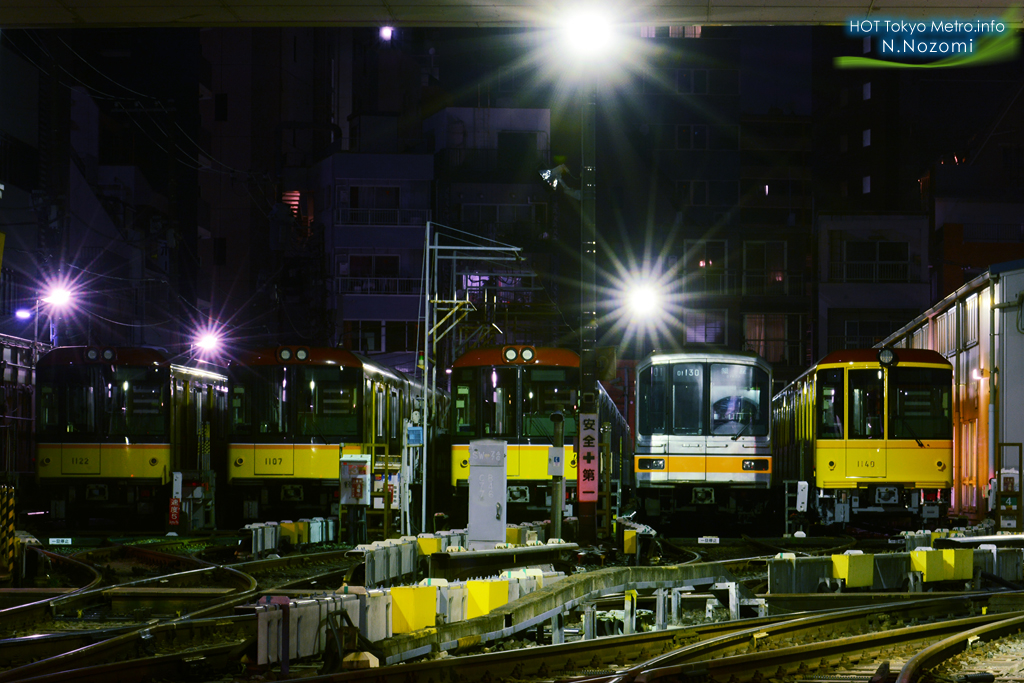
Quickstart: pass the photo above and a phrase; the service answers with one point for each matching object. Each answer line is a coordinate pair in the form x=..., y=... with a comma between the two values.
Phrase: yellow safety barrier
x=413, y=608
x=858, y=571
x=929, y=563
x=958, y=563
x=485, y=596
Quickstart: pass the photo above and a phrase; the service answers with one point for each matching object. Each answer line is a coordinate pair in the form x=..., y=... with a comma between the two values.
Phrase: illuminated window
x=865, y=185
x=866, y=138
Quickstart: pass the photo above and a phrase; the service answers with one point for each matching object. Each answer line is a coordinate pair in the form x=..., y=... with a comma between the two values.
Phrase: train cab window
x=740, y=396
x=546, y=390
x=920, y=403
x=257, y=401
x=831, y=390
x=867, y=401
x=651, y=385
x=687, y=398
x=136, y=400
x=327, y=403
x=500, y=402
x=67, y=402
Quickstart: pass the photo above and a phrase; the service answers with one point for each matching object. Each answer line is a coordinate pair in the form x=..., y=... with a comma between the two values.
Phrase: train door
x=866, y=445
x=829, y=430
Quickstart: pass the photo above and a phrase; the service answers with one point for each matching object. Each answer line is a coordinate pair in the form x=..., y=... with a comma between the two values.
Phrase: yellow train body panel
x=144, y=462
x=524, y=462
x=857, y=464
x=286, y=461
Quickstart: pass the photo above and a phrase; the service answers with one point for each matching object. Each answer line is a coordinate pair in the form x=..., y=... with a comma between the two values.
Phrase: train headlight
x=92, y=354
x=108, y=354
x=510, y=354
x=760, y=465
x=301, y=354
x=887, y=357
x=650, y=464
x=528, y=354
x=285, y=354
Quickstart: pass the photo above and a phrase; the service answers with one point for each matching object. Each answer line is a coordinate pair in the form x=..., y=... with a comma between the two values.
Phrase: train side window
x=867, y=401
x=831, y=391
x=464, y=397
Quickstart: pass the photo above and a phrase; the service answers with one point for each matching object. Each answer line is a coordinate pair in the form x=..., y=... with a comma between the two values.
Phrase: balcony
x=413, y=218
x=746, y=282
x=864, y=341
x=378, y=285
x=868, y=271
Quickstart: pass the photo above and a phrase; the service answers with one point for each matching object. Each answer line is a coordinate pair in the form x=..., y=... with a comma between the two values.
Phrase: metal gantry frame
x=443, y=313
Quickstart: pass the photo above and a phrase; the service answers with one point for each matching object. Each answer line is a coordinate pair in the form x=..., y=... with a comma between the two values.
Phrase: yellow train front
x=866, y=436
x=703, y=441
x=115, y=427
x=293, y=410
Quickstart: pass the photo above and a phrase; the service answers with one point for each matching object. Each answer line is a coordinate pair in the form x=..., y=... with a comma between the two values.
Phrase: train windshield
x=485, y=401
x=102, y=401
x=136, y=398
x=920, y=403
x=67, y=402
x=831, y=410
x=257, y=400
x=327, y=402
x=867, y=396
x=740, y=395
x=546, y=390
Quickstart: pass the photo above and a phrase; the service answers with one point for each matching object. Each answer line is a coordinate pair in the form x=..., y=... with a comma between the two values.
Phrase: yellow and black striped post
x=7, y=545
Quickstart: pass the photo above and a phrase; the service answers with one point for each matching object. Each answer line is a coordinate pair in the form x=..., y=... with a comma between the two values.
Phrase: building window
x=861, y=334
x=704, y=326
x=945, y=330
x=869, y=261
x=704, y=266
x=919, y=339
x=865, y=138
x=764, y=267
x=866, y=47
x=865, y=184
x=970, y=321
x=866, y=90
x=776, y=337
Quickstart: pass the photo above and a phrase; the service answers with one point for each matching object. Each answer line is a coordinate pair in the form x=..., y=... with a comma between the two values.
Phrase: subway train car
x=703, y=441
x=292, y=411
x=510, y=393
x=113, y=428
x=866, y=436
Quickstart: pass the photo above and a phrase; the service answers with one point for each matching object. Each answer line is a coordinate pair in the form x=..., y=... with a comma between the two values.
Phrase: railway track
x=207, y=640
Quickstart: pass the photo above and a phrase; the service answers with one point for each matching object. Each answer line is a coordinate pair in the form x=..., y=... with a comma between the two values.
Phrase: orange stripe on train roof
x=318, y=355
x=492, y=356
x=871, y=356
x=124, y=355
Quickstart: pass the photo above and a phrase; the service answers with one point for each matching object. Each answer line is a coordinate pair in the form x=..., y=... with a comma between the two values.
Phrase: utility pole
x=587, y=454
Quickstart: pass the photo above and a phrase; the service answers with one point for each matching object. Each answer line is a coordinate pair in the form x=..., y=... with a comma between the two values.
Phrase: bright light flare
x=643, y=301
x=58, y=297
x=588, y=33
x=23, y=314
x=208, y=341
